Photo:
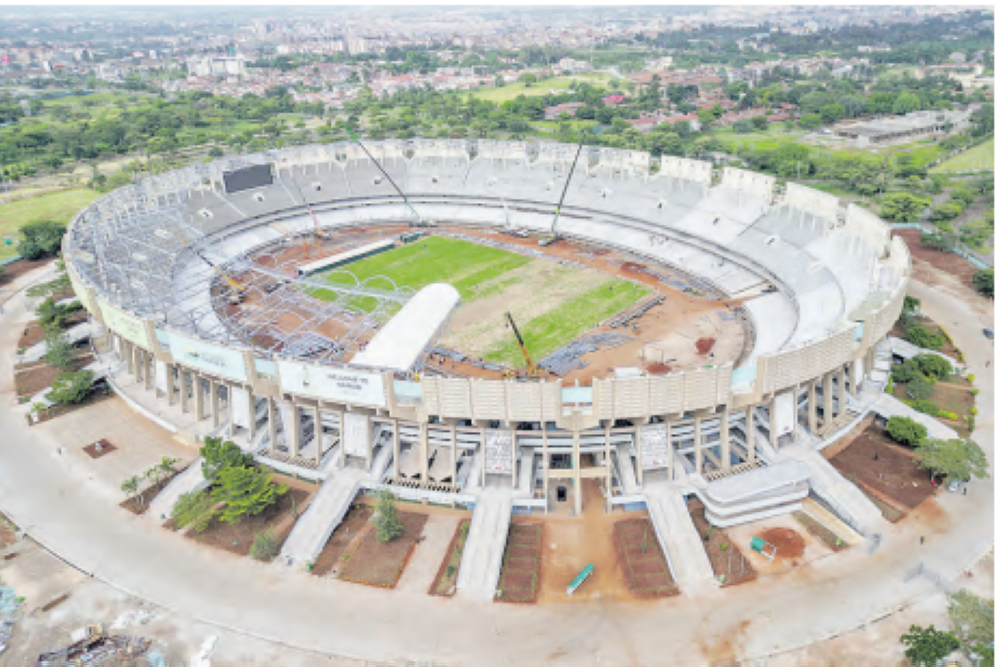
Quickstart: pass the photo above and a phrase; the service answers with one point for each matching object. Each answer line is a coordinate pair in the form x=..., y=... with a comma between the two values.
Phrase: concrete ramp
x=480, y=569
x=681, y=543
x=190, y=480
x=324, y=514
x=854, y=507
x=626, y=469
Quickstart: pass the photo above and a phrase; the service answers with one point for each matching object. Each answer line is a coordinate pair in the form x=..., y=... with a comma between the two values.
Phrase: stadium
x=417, y=315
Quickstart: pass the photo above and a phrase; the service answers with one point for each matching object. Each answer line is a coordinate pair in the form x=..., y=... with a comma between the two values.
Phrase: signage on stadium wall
x=127, y=326
x=208, y=357
x=334, y=384
x=785, y=409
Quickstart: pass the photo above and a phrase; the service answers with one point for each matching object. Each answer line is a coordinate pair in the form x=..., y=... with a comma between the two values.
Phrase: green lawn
x=548, y=332
x=512, y=90
x=59, y=206
x=978, y=157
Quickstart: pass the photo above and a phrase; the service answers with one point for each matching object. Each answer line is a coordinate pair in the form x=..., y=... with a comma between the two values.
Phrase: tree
x=902, y=206
x=71, y=387
x=218, y=456
x=59, y=352
x=52, y=315
x=528, y=79
x=810, y=121
x=911, y=304
x=973, y=618
x=906, y=431
x=246, y=492
x=387, y=525
x=831, y=113
x=955, y=459
x=945, y=211
x=926, y=646
x=41, y=239
x=920, y=388
x=130, y=487
x=905, y=372
x=905, y=103
x=983, y=282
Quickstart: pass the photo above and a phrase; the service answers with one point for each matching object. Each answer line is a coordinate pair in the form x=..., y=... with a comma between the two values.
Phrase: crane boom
x=562, y=197
x=232, y=283
x=532, y=368
x=406, y=200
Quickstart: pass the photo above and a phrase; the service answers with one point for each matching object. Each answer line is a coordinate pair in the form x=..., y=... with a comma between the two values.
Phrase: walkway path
x=56, y=501
x=480, y=569
x=322, y=517
x=679, y=538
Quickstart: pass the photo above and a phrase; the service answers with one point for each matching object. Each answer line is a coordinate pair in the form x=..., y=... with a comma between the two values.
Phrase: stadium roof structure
x=400, y=343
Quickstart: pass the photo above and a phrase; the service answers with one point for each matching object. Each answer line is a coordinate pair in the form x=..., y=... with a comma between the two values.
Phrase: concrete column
x=751, y=431
x=231, y=428
x=638, y=454
x=811, y=407
x=699, y=456
x=149, y=371
x=213, y=401
x=395, y=448
x=845, y=388
x=129, y=360
x=513, y=459
x=545, y=465
x=772, y=427
x=171, y=390
x=670, y=452
x=294, y=432
x=454, y=455
x=578, y=496
x=424, y=454
x=482, y=443
x=182, y=381
x=318, y=435
x=272, y=425
x=725, y=450
x=253, y=412
x=342, y=453
x=607, y=463
x=199, y=397
x=827, y=398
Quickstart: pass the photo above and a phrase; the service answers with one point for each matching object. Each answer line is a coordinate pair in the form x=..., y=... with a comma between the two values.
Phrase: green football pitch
x=552, y=303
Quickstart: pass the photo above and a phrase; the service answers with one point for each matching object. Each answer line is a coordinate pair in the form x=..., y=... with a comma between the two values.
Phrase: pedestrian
x=965, y=490
x=921, y=539
x=876, y=457
x=987, y=361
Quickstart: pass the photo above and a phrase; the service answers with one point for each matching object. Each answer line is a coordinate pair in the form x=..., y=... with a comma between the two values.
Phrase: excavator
x=533, y=370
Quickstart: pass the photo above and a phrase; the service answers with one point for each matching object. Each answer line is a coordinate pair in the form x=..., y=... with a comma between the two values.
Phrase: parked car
x=954, y=486
x=988, y=333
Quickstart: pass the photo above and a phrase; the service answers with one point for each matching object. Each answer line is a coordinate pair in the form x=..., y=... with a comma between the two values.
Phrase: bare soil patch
x=98, y=449
x=704, y=345
x=33, y=333
x=646, y=571
x=520, y=575
x=29, y=379
x=15, y=270
x=948, y=262
x=726, y=558
x=447, y=575
x=238, y=538
x=346, y=533
x=875, y=462
x=8, y=533
x=789, y=543
x=93, y=398
x=377, y=564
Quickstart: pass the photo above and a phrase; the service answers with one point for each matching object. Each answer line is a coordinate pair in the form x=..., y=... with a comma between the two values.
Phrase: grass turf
x=467, y=265
x=58, y=206
x=511, y=90
x=978, y=157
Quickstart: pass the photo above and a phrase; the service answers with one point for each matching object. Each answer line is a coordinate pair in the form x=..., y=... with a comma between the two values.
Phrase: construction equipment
x=237, y=290
x=533, y=370
x=585, y=574
x=420, y=222
x=318, y=233
x=553, y=235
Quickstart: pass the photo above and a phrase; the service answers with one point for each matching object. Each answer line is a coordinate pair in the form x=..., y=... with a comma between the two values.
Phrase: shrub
x=906, y=431
x=53, y=316
x=983, y=282
x=926, y=407
x=933, y=366
x=218, y=456
x=41, y=239
x=920, y=388
x=59, y=352
x=921, y=337
x=265, y=545
x=387, y=525
x=906, y=371
x=195, y=509
x=71, y=388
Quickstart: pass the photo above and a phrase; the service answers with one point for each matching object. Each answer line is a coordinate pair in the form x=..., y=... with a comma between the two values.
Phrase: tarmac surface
x=61, y=503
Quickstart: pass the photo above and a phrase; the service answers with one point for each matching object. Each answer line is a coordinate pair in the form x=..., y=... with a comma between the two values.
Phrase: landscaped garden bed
x=646, y=571
x=347, y=532
x=381, y=564
x=447, y=575
x=729, y=564
x=237, y=538
x=29, y=379
x=139, y=505
x=820, y=532
x=521, y=571
x=893, y=473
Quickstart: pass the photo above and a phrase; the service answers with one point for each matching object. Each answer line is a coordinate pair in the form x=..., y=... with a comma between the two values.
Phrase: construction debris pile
x=567, y=358
x=459, y=358
x=637, y=312
x=91, y=646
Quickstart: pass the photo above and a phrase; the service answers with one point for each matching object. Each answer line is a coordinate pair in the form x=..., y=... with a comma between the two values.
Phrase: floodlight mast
x=562, y=198
x=420, y=221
